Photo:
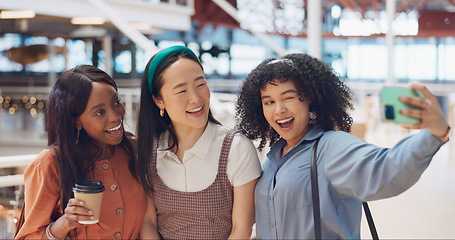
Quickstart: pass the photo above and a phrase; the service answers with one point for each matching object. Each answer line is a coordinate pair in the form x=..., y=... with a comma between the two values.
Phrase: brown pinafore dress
x=205, y=214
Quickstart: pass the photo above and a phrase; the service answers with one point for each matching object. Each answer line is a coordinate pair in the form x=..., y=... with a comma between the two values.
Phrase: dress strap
x=222, y=165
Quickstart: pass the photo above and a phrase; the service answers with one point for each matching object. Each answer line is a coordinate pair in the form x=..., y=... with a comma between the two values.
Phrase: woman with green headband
x=200, y=176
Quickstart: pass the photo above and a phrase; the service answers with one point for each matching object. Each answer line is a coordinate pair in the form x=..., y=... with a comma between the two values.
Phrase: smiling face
x=102, y=117
x=185, y=95
x=286, y=110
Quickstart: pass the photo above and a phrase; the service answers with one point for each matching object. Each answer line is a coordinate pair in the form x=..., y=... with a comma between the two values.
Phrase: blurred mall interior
x=370, y=43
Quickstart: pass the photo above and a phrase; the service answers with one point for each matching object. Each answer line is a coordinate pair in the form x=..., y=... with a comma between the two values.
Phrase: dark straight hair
x=67, y=101
x=151, y=124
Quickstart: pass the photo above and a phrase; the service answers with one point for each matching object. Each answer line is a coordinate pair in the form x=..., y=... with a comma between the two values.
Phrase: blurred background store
x=370, y=43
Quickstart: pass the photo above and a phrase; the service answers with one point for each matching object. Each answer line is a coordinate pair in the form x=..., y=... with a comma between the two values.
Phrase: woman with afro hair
x=296, y=101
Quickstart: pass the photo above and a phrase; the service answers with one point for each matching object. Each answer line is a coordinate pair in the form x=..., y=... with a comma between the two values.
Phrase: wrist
x=53, y=231
x=48, y=232
x=445, y=136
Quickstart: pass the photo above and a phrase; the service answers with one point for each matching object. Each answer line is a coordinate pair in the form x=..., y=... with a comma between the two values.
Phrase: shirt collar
x=314, y=133
x=201, y=147
x=204, y=143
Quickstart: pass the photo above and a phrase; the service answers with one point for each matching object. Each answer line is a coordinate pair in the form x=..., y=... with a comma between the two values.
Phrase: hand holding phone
x=429, y=116
x=391, y=104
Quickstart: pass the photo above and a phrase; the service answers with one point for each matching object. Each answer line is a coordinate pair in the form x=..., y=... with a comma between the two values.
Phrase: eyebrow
x=102, y=104
x=183, y=84
x=283, y=93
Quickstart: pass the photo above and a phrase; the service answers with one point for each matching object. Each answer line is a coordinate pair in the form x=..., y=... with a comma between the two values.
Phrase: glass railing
x=10, y=205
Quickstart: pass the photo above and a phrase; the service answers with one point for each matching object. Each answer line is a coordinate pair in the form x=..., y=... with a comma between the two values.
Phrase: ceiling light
x=15, y=14
x=87, y=20
x=141, y=26
x=88, y=31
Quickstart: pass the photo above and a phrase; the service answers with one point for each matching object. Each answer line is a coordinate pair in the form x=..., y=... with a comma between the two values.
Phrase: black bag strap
x=315, y=193
x=369, y=217
x=316, y=204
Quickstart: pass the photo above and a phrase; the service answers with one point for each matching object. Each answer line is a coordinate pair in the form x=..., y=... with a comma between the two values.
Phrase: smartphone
x=391, y=104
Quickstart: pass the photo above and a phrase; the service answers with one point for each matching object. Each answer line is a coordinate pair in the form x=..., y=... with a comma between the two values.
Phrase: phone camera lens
x=389, y=112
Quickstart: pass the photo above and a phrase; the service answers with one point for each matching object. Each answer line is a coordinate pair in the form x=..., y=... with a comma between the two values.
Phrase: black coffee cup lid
x=89, y=186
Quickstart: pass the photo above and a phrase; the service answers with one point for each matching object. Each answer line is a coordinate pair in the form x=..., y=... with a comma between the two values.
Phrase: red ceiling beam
x=421, y=4
x=421, y=34
x=403, y=6
x=364, y=7
x=207, y=12
x=375, y=7
x=352, y=5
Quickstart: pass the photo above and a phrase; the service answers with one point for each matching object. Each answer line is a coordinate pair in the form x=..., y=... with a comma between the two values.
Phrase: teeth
x=195, y=110
x=115, y=128
x=285, y=120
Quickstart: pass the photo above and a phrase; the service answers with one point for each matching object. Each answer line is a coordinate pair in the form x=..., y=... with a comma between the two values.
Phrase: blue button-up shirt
x=349, y=171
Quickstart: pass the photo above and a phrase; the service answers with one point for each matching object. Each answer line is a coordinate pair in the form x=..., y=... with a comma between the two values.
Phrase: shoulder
x=243, y=164
x=239, y=140
x=45, y=162
x=46, y=158
x=242, y=140
x=340, y=151
x=334, y=144
x=340, y=138
x=243, y=148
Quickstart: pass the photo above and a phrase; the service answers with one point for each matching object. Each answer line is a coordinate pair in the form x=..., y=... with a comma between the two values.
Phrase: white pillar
x=390, y=40
x=52, y=74
x=66, y=55
x=315, y=28
x=107, y=48
x=120, y=22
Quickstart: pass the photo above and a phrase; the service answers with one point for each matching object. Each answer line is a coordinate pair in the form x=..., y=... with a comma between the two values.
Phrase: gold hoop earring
x=161, y=112
x=77, y=136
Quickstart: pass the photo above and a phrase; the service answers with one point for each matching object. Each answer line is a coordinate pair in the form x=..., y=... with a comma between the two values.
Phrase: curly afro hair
x=330, y=97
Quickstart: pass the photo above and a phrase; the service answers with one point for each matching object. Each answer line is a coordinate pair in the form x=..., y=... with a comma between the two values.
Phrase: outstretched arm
x=368, y=172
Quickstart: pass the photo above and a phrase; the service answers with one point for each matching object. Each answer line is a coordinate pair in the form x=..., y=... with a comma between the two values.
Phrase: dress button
x=113, y=187
x=105, y=166
x=119, y=211
x=117, y=235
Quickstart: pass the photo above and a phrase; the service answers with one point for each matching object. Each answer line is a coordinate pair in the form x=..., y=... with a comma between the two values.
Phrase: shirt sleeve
x=41, y=195
x=243, y=164
x=367, y=172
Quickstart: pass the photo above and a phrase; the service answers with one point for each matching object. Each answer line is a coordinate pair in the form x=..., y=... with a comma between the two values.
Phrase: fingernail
x=81, y=203
x=92, y=217
x=90, y=212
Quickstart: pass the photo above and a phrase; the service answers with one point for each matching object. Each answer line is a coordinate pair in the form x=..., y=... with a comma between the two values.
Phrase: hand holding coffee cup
x=91, y=192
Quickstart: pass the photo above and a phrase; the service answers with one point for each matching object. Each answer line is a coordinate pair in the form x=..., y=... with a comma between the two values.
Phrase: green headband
x=160, y=57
